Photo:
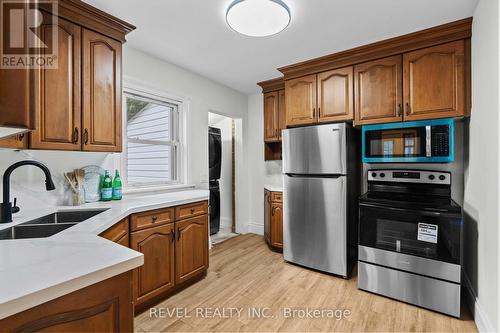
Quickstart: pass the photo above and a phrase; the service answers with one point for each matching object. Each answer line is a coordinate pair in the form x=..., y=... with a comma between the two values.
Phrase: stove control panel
x=410, y=176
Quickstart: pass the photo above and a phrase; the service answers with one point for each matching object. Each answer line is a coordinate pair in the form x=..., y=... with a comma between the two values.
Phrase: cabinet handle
x=178, y=234
x=400, y=111
x=272, y=211
x=154, y=219
x=319, y=111
x=21, y=137
x=86, y=136
x=408, y=109
x=172, y=233
x=192, y=210
x=314, y=112
x=75, y=136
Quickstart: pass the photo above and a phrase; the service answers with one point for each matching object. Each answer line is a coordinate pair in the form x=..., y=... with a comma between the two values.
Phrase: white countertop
x=273, y=188
x=34, y=271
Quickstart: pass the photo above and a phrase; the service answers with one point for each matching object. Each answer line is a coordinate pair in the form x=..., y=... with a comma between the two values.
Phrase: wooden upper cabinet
x=378, y=91
x=102, y=93
x=271, y=116
x=335, y=95
x=281, y=112
x=434, y=85
x=19, y=141
x=156, y=276
x=301, y=101
x=58, y=102
x=191, y=248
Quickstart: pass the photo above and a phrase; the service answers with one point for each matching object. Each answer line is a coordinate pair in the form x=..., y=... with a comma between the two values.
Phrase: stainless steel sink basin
x=75, y=216
x=33, y=231
x=48, y=225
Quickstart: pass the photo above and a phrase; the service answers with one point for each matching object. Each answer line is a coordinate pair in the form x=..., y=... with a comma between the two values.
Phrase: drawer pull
x=172, y=233
x=154, y=219
x=192, y=210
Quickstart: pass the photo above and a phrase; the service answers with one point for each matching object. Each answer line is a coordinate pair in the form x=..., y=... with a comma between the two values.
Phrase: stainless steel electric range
x=410, y=239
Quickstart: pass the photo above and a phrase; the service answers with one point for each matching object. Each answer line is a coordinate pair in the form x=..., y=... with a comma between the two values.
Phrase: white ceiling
x=193, y=33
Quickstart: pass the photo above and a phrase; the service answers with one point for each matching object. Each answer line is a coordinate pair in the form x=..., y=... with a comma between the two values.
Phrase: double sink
x=48, y=225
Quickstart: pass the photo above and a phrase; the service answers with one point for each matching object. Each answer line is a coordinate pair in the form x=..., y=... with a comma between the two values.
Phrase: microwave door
x=315, y=150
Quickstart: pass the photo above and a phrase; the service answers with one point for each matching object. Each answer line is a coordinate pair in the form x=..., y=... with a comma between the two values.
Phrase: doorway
x=222, y=182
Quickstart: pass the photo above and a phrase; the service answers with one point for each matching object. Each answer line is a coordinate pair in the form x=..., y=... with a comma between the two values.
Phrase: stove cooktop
x=411, y=201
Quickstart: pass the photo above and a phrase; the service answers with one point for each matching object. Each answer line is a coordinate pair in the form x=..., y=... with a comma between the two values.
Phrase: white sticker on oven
x=427, y=232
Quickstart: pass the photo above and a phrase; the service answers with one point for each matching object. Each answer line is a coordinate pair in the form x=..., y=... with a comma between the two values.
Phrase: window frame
x=178, y=126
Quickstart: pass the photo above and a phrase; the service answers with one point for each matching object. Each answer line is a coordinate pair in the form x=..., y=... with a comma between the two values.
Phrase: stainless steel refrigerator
x=321, y=166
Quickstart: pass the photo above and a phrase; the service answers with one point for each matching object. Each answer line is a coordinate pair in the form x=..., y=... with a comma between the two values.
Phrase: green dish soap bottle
x=117, y=186
x=106, y=187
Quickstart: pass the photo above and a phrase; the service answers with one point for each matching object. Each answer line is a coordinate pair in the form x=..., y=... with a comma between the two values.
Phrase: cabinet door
x=102, y=91
x=19, y=141
x=277, y=225
x=191, y=248
x=335, y=95
x=300, y=97
x=434, y=82
x=156, y=276
x=58, y=98
x=267, y=216
x=271, y=105
x=378, y=91
x=16, y=108
x=102, y=307
x=281, y=112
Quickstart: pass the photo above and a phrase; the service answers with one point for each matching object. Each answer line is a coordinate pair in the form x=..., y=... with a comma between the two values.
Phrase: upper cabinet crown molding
x=90, y=17
x=272, y=85
x=449, y=32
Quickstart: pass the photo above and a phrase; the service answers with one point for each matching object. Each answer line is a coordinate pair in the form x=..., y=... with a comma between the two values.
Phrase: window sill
x=155, y=189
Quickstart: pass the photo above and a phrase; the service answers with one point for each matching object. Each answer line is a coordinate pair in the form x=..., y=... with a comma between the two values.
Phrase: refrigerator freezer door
x=315, y=150
x=314, y=231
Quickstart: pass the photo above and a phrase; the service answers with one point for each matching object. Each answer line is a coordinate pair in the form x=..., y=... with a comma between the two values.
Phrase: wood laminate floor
x=244, y=275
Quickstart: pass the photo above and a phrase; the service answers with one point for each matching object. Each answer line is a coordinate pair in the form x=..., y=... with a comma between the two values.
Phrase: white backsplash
x=28, y=182
x=273, y=173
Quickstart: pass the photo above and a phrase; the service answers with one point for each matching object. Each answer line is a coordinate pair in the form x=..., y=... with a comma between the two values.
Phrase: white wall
x=481, y=183
x=202, y=94
x=225, y=124
x=260, y=171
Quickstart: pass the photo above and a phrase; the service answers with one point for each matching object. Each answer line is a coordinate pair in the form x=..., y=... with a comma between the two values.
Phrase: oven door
x=425, y=234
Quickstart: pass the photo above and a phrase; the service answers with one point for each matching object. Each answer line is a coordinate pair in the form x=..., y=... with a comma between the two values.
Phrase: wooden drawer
x=151, y=218
x=118, y=232
x=191, y=210
x=277, y=197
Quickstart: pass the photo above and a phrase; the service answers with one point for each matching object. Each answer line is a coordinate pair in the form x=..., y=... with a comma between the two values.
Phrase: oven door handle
x=420, y=211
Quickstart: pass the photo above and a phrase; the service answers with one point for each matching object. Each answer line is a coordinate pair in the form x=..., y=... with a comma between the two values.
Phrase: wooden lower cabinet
x=119, y=233
x=102, y=307
x=277, y=225
x=175, y=253
x=191, y=248
x=273, y=219
x=156, y=276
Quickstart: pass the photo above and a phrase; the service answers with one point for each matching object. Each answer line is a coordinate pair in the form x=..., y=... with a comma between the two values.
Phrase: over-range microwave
x=425, y=141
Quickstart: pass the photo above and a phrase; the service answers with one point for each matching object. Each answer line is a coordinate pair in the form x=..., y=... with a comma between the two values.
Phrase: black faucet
x=6, y=208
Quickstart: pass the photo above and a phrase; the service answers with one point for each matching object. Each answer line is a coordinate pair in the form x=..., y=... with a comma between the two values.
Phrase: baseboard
x=255, y=228
x=481, y=319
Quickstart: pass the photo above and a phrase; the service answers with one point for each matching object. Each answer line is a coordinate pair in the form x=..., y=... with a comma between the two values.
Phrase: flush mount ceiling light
x=258, y=18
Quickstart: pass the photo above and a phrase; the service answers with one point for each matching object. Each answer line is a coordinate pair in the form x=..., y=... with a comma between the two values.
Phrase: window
x=153, y=146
